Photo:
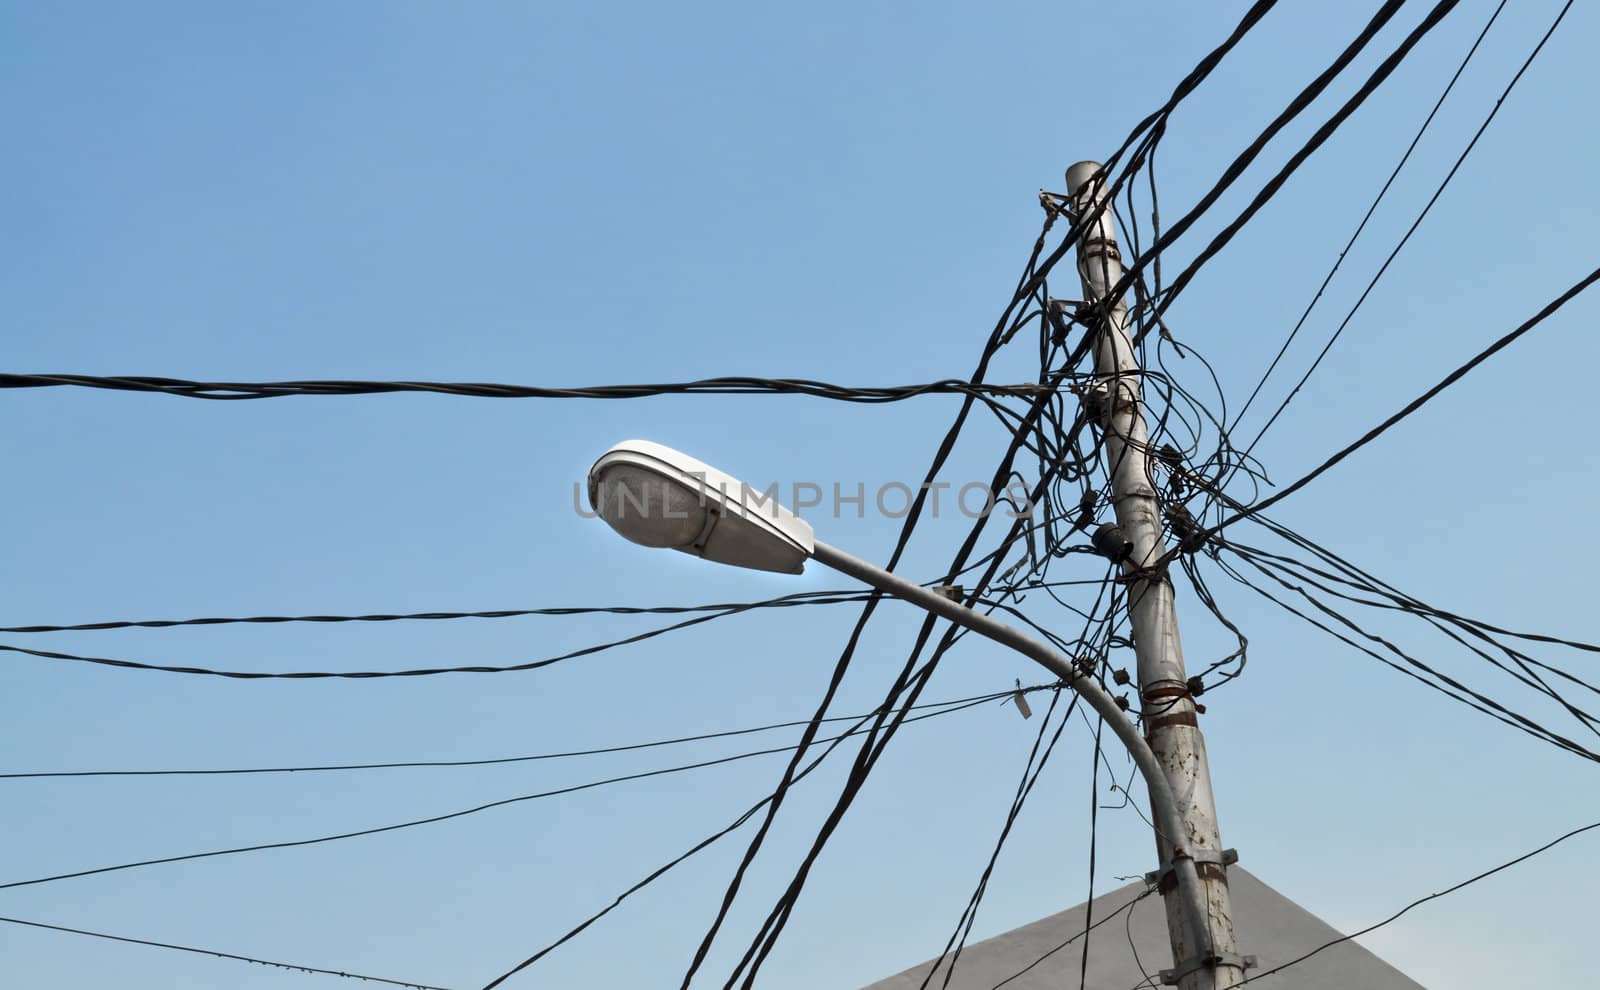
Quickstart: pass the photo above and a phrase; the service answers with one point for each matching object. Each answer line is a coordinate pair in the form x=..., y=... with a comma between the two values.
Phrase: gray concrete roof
x=1270, y=926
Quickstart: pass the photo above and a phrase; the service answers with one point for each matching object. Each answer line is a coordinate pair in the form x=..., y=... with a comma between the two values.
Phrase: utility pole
x=1170, y=722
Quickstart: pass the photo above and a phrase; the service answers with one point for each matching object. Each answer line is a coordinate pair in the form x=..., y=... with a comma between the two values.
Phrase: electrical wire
x=1251, y=978
x=708, y=386
x=801, y=598
x=1242, y=162
x=294, y=967
x=1431, y=676
x=1125, y=909
x=1030, y=774
x=1332, y=124
x=491, y=761
x=1415, y=404
x=1371, y=209
x=722, y=612
x=1439, y=191
x=1094, y=834
x=710, y=840
x=448, y=816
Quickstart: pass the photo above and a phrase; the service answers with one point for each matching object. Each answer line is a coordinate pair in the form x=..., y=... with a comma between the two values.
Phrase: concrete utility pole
x=1170, y=722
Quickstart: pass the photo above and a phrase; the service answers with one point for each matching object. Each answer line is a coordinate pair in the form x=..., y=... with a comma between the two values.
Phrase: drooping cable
x=1367, y=217
x=1252, y=977
x=488, y=761
x=292, y=967
x=1406, y=237
x=1415, y=404
x=448, y=816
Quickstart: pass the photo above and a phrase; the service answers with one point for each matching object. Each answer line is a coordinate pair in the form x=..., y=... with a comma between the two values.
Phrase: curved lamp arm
x=1163, y=802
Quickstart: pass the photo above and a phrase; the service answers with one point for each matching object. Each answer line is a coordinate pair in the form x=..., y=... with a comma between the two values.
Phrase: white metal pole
x=1170, y=721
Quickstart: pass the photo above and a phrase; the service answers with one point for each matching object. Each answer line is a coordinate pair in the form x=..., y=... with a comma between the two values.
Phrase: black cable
x=1094, y=834
x=1333, y=123
x=415, y=672
x=1127, y=930
x=631, y=747
x=295, y=967
x=676, y=861
x=1373, y=208
x=467, y=811
x=1148, y=132
x=1439, y=191
x=709, y=386
x=671, y=864
x=802, y=598
x=1414, y=404
x=1030, y=774
x=1243, y=161
x=1393, y=601
x=1420, y=901
x=1124, y=909
x=1362, y=580
x=1478, y=700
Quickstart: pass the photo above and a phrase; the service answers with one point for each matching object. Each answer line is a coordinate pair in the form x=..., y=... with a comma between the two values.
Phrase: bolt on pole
x=1170, y=718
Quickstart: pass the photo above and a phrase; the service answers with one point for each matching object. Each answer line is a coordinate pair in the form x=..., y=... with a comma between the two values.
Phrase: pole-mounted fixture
x=658, y=497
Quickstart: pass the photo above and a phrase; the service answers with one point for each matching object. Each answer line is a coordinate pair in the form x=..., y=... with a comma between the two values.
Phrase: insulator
x=1112, y=543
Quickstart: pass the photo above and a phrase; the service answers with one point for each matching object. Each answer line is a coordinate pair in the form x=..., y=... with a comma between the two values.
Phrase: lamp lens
x=647, y=508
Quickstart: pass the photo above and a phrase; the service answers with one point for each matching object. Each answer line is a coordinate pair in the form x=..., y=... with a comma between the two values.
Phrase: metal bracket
x=1171, y=977
x=1223, y=858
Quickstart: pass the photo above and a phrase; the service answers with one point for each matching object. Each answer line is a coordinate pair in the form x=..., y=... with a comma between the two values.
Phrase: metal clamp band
x=1171, y=977
x=1201, y=857
x=1159, y=722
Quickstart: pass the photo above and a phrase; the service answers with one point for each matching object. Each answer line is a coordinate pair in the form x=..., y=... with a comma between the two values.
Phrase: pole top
x=1079, y=174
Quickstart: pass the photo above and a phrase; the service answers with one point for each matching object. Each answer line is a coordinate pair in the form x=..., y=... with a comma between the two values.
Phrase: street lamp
x=658, y=497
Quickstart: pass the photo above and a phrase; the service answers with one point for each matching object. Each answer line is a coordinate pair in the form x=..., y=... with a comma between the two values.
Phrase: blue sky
x=609, y=193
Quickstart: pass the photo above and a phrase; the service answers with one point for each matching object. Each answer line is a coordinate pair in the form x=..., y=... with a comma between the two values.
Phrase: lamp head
x=658, y=497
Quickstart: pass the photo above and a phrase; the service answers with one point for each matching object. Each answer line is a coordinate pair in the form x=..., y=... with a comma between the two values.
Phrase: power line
x=1391, y=600
x=1094, y=835
x=294, y=967
x=1439, y=619
x=660, y=871
x=799, y=598
x=708, y=612
x=368, y=674
x=1439, y=191
x=503, y=802
x=1423, y=900
x=732, y=385
x=802, y=598
x=1332, y=124
x=1126, y=908
x=1244, y=159
x=1473, y=699
x=631, y=747
x=1362, y=226
x=1030, y=775
x=1416, y=403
